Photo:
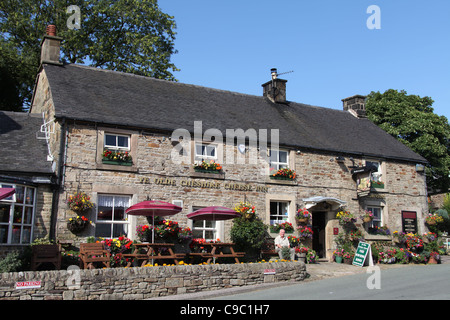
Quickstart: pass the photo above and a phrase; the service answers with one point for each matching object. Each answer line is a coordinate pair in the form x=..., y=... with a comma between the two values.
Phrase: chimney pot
x=51, y=46
x=51, y=30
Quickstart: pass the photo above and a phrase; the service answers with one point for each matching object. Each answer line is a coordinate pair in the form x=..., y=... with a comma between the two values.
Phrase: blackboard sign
x=409, y=221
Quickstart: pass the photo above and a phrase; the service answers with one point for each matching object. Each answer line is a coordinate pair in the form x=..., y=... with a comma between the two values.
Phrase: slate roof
x=109, y=97
x=21, y=151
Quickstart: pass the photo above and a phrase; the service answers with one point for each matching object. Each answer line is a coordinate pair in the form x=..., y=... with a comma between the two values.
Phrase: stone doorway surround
x=327, y=206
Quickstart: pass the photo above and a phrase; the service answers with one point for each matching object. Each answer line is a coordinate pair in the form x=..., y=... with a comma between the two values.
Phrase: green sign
x=362, y=251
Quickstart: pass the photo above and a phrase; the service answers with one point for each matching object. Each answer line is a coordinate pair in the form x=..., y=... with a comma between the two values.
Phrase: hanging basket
x=301, y=220
x=77, y=227
x=367, y=219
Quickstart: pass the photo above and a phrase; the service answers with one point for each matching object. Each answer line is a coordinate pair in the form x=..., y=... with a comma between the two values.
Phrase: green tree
x=412, y=120
x=123, y=35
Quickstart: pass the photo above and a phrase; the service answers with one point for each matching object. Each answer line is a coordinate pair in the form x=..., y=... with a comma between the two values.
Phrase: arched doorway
x=323, y=212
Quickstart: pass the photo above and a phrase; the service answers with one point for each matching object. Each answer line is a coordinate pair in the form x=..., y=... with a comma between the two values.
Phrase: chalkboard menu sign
x=409, y=221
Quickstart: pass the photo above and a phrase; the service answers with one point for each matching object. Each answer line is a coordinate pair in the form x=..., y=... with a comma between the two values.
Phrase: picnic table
x=153, y=251
x=214, y=251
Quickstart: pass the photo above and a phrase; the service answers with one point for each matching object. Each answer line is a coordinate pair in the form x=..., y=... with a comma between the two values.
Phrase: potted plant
x=348, y=257
x=117, y=157
x=338, y=255
x=367, y=216
x=78, y=224
x=434, y=257
x=79, y=202
x=301, y=253
x=302, y=216
x=283, y=174
x=208, y=167
x=293, y=241
x=311, y=256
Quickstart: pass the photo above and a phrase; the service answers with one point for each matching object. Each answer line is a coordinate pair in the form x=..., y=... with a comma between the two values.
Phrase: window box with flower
x=287, y=226
x=115, y=157
x=283, y=174
x=208, y=167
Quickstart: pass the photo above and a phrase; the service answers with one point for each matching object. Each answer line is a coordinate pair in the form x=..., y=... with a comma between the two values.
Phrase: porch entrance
x=318, y=227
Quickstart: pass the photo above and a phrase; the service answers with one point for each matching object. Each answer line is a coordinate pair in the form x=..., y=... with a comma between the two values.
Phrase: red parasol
x=6, y=192
x=153, y=208
x=214, y=213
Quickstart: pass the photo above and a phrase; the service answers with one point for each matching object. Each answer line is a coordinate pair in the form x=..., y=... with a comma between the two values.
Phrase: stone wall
x=144, y=283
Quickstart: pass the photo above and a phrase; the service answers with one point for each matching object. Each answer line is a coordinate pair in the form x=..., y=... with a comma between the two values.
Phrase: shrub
x=11, y=263
x=249, y=236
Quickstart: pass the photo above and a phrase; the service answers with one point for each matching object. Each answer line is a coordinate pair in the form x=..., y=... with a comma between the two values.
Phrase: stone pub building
x=77, y=112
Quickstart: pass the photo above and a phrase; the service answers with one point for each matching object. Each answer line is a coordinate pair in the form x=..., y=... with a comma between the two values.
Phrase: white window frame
x=284, y=217
x=217, y=227
x=276, y=165
x=116, y=146
x=204, y=156
x=377, y=221
x=113, y=222
x=12, y=201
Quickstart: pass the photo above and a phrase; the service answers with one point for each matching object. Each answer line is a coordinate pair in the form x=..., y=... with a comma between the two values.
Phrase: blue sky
x=232, y=45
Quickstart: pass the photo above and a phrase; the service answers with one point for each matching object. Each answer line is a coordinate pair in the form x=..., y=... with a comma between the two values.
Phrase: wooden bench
x=46, y=253
x=91, y=253
x=268, y=248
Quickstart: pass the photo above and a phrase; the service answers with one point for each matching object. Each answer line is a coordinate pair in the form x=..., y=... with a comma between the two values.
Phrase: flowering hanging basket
x=78, y=224
x=302, y=216
x=79, y=202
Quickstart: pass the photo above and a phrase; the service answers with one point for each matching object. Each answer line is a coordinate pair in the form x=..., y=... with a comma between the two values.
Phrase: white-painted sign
x=269, y=271
x=28, y=285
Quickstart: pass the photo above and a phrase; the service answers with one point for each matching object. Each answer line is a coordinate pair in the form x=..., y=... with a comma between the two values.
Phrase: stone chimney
x=356, y=105
x=51, y=46
x=275, y=89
